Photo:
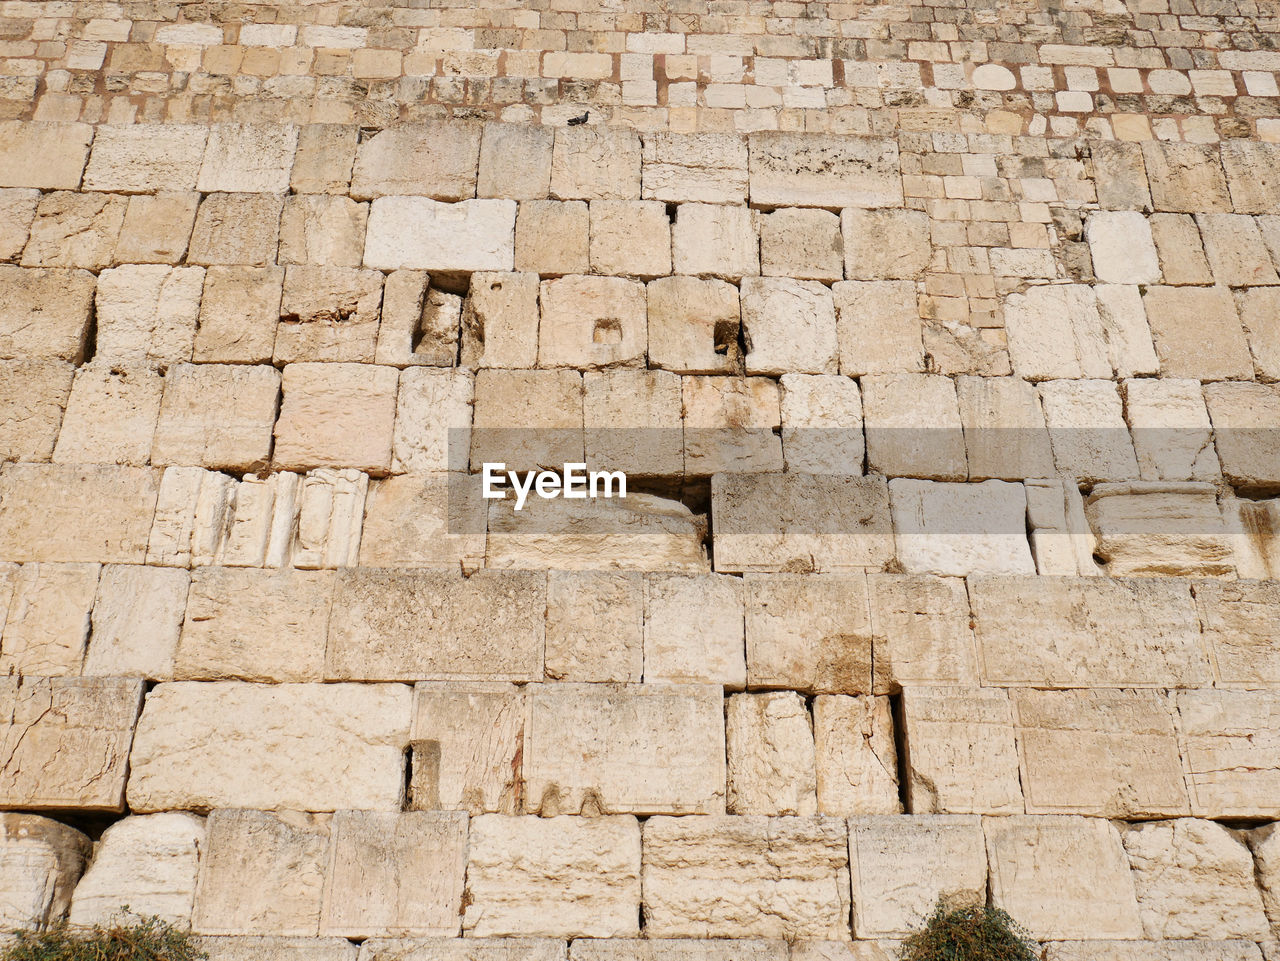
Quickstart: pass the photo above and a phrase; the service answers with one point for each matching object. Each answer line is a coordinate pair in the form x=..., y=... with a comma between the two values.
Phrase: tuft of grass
x=126, y=939
x=969, y=933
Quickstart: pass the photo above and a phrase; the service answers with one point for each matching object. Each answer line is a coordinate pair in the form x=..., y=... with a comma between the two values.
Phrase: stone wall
x=939, y=346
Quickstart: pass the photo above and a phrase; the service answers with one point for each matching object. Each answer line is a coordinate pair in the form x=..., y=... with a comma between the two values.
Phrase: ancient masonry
x=940, y=346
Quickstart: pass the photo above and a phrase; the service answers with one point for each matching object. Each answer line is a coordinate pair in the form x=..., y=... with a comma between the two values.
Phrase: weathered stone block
x=322, y=164
x=248, y=158
x=515, y=161
x=218, y=416
x=1229, y=750
x=145, y=158
x=449, y=239
x=693, y=325
x=239, y=311
x=420, y=325
x=885, y=244
x=1120, y=176
x=75, y=230
x=595, y=626
x=1236, y=250
x=48, y=621
x=500, y=320
x=1004, y=428
x=813, y=170
x=461, y=949
x=856, y=757
x=336, y=415
x=328, y=314
x=1251, y=175
x=730, y=425
x=595, y=163
x=553, y=237
x=1198, y=333
x=695, y=168
x=1244, y=419
x=771, y=755
x=1152, y=951
x=922, y=632
x=1056, y=331
x=240, y=229
x=424, y=520
x=527, y=419
x=693, y=629
x=1122, y=248
x=157, y=228
x=50, y=156
x=960, y=529
x=44, y=313
x=633, y=422
x=878, y=328
x=715, y=240
x=592, y=322
x=631, y=237
x=1172, y=434
x=17, y=211
x=822, y=424
x=320, y=229
x=40, y=862
x=1260, y=314
x=1154, y=528
x=251, y=948
x=1239, y=621
x=136, y=619
x=437, y=160
x=913, y=426
x=1185, y=177
x=1178, y=242
x=147, y=314
x=788, y=326
x=673, y=949
x=802, y=244
x=1090, y=439
x=33, y=396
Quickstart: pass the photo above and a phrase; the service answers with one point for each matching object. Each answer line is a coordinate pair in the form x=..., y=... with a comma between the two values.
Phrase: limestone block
x=1198, y=333
x=250, y=948
x=1056, y=331
x=960, y=529
x=1182, y=259
x=632, y=422
x=248, y=158
x=800, y=522
x=1238, y=619
x=48, y=620
x=465, y=949
x=1185, y=177
x=1260, y=314
x=433, y=420
x=715, y=240
x=33, y=396
x=157, y=228
x=552, y=877
x=771, y=755
x=1122, y=248
x=901, y=867
x=1004, y=429
x=595, y=163
x=1102, y=753
x=1172, y=435
x=147, y=314
x=1194, y=879
x=240, y=229
x=746, y=877
x=1152, y=638
x=449, y=239
x=136, y=619
x=884, y=950
x=1153, y=529
x=191, y=515
x=76, y=513
x=500, y=320
x=823, y=170
x=676, y=949
x=1120, y=175
x=695, y=168
x=145, y=158
x=17, y=211
x=553, y=237
x=66, y=741
x=468, y=741
x=802, y=244
x=592, y=322
x=1229, y=748
x=437, y=160
x=44, y=314
x=1250, y=524
x=239, y=311
x=428, y=625
x=958, y=347
x=40, y=862
x=1062, y=877
x=50, y=156
x=146, y=864
x=595, y=626
x=336, y=415
x=515, y=161
x=1262, y=843
x=1152, y=951
x=1124, y=326
x=394, y=873
x=808, y=632
x=252, y=625
x=75, y=230
x=425, y=520
x=218, y=416
x=878, y=328
x=1236, y=250
x=625, y=749
x=960, y=751
x=693, y=629
x=885, y=244
x=913, y=426
x=693, y=325
x=328, y=314
x=856, y=757
x=527, y=419
x=419, y=325
x=788, y=326
x=821, y=424
x=1251, y=175
x=730, y=425
x=630, y=237
x=1244, y=419
x=1061, y=539
x=1090, y=439
x=262, y=873
x=229, y=744
x=322, y=164
x=921, y=629
x=322, y=229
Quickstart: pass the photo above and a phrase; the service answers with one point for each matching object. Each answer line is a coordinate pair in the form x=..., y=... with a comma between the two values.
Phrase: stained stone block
x=218, y=416
x=878, y=328
x=856, y=757
x=40, y=862
x=1198, y=333
x=1090, y=439
x=1236, y=250
x=75, y=230
x=1120, y=176
x=137, y=617
x=913, y=426
x=515, y=161
x=1178, y=242
x=730, y=425
x=500, y=321
x=553, y=237
x=922, y=631
x=44, y=314
x=323, y=162
x=771, y=755
x=157, y=228
x=424, y=520
x=1004, y=428
x=1152, y=951
x=789, y=326
x=1155, y=528
x=715, y=240
x=1244, y=420
x=320, y=229
x=1056, y=331
x=595, y=163
x=695, y=168
x=248, y=157
x=595, y=626
x=437, y=160
x=960, y=529
x=801, y=244
x=693, y=629
x=238, y=229
x=1240, y=622
x=885, y=244
x=48, y=621
x=336, y=415
x=17, y=211
x=816, y=170
x=145, y=158
x=822, y=424
x=458, y=949
x=630, y=237
x=676, y=949
x=591, y=323
x=1185, y=177
x=1251, y=175
x=239, y=312
x=633, y=422
x=1229, y=748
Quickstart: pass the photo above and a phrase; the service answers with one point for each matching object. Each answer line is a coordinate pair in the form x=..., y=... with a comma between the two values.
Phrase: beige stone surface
x=746, y=877
x=33, y=397
x=1056, y=331
x=527, y=419
x=878, y=327
x=630, y=237
x=1262, y=844
x=1121, y=176
x=248, y=157
x=66, y=741
x=625, y=749
x=76, y=513
x=1259, y=312
x=960, y=529
x=145, y=158
x=17, y=211
x=595, y=626
x=430, y=625
x=48, y=621
x=321, y=229
x=1198, y=333
x=552, y=877
x=960, y=753
x=265, y=948
x=817, y=170
x=75, y=230
x=515, y=161
x=801, y=244
x=553, y=237
x=1194, y=879
x=1100, y=753
x=1156, y=528
x=217, y=416
x=1251, y=175
x=687, y=168
x=1152, y=951
x=693, y=629
x=147, y=864
x=730, y=425
x=453, y=239
x=328, y=314
x=227, y=744
x=336, y=415
x=595, y=163
x=1126, y=331
x=715, y=240
x=1171, y=429
x=433, y=420
x=633, y=422
x=394, y=873
x=788, y=326
x=922, y=631
x=913, y=426
x=1062, y=877
x=40, y=862
x=157, y=228
x=1239, y=623
x=437, y=160
x=424, y=520
x=1185, y=177
x=1122, y=249
x=856, y=757
x=236, y=228
x=464, y=949
x=147, y=314
x=239, y=312
x=44, y=313
x=500, y=320
x=1182, y=259
x=1152, y=635
x=1229, y=744
x=770, y=738
x=821, y=424
x=1244, y=418
x=137, y=616
x=1004, y=429
x=693, y=325
x=901, y=866
x=676, y=949
x=591, y=322
x=50, y=156
x=262, y=873
x=323, y=162
x=419, y=325
x=254, y=625
x=1090, y=439
x=808, y=632
x=1235, y=250
x=885, y=244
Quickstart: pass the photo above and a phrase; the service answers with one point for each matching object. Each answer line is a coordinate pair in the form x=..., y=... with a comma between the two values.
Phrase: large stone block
x=218, y=416
x=631, y=749
x=885, y=244
x=1236, y=250
x=746, y=877
x=595, y=626
x=111, y=416
x=1155, y=528
x=633, y=422
x=1229, y=748
x=812, y=170
x=592, y=322
x=553, y=237
x=500, y=321
x=1240, y=622
x=336, y=415
x=50, y=156
x=464, y=949
x=789, y=326
x=1185, y=177
x=913, y=426
x=1152, y=951
x=328, y=314
x=239, y=314
x=1122, y=249
x=33, y=396
x=676, y=949
x=731, y=424
x=66, y=741
x=44, y=314
x=75, y=230
x=1244, y=420
x=960, y=529
x=515, y=161
x=17, y=211
x=1120, y=176
x=595, y=163
x=922, y=631
x=1251, y=175
x=137, y=616
x=1172, y=434
x=237, y=229
x=878, y=327
x=322, y=164
x=856, y=757
x=427, y=625
x=553, y=877
x=147, y=314
x=424, y=520
x=1004, y=429
x=715, y=240
x=527, y=419
x=433, y=420
x=228, y=744
x=437, y=160
x=1056, y=331
x=262, y=948
x=157, y=228
x=1090, y=439
x=420, y=326
x=693, y=629
x=443, y=238
x=771, y=756
x=1260, y=314
x=802, y=244
x=1151, y=636
x=145, y=158
x=695, y=168
x=248, y=157
x=822, y=424
x=48, y=621
x=40, y=862
x=631, y=237
x=1198, y=333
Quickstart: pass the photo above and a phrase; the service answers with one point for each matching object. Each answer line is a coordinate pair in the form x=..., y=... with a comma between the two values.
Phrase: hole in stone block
x=607, y=330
